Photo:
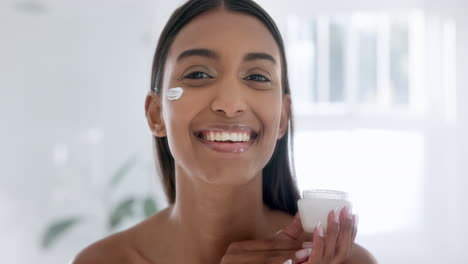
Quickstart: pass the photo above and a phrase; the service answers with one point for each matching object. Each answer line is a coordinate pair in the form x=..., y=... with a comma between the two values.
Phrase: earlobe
x=153, y=114
x=285, y=115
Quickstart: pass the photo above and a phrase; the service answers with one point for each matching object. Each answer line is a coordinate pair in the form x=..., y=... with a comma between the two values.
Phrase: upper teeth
x=227, y=136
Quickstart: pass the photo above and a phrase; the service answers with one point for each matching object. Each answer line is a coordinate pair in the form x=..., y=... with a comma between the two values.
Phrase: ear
x=154, y=115
x=285, y=115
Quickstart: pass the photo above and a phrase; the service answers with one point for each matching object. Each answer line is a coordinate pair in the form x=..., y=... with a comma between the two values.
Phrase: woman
x=220, y=112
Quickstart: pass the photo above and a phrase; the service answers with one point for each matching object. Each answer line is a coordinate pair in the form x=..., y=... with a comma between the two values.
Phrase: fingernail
x=289, y=261
x=349, y=210
x=279, y=231
x=320, y=229
x=307, y=244
x=356, y=220
x=336, y=213
x=303, y=253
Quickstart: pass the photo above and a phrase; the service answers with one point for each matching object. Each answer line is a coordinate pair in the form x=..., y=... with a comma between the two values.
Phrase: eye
x=257, y=78
x=197, y=75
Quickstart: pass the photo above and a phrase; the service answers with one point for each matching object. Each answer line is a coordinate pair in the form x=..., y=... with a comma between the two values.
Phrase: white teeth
x=226, y=136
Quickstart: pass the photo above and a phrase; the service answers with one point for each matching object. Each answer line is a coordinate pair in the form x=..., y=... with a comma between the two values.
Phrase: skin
x=219, y=215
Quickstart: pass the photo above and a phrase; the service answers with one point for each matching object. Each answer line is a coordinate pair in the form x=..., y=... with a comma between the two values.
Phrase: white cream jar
x=316, y=204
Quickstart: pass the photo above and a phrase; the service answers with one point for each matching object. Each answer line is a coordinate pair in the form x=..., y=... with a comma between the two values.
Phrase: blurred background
x=379, y=93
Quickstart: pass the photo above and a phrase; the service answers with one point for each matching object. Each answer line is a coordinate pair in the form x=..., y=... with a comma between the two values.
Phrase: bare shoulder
x=360, y=255
x=125, y=247
x=112, y=249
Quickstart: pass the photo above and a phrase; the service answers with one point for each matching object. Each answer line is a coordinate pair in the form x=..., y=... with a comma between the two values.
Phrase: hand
x=336, y=245
x=278, y=249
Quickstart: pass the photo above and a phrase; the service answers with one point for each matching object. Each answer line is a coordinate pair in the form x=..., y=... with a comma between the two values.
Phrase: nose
x=229, y=101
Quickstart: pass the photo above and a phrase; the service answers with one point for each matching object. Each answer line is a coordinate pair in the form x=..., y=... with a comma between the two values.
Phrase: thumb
x=293, y=231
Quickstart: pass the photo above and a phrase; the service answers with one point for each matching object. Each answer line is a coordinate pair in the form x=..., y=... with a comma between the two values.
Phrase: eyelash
x=192, y=76
x=261, y=76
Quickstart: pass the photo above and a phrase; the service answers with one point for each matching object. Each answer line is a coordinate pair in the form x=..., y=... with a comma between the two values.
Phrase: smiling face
x=224, y=127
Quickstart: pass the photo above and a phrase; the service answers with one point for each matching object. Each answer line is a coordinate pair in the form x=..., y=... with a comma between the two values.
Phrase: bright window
x=362, y=105
x=355, y=62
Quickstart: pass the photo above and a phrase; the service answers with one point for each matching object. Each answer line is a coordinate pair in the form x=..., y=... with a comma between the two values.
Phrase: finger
x=354, y=233
x=344, y=214
x=343, y=245
x=277, y=257
x=355, y=227
x=264, y=245
x=293, y=231
x=316, y=256
x=333, y=230
x=302, y=255
x=299, y=256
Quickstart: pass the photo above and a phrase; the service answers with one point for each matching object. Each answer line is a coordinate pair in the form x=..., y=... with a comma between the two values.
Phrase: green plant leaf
x=123, y=170
x=56, y=229
x=123, y=210
x=149, y=206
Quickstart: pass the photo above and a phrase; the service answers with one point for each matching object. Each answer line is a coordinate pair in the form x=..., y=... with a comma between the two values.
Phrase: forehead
x=228, y=33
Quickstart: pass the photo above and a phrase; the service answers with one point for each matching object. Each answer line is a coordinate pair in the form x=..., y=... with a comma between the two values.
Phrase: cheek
x=175, y=119
x=271, y=116
x=178, y=115
x=179, y=112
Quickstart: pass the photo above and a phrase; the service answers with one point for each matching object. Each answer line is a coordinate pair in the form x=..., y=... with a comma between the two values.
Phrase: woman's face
x=229, y=66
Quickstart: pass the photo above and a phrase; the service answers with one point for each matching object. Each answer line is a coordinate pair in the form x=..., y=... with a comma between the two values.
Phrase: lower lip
x=227, y=147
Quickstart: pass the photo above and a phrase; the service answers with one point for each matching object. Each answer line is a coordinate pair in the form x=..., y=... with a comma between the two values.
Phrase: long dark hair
x=279, y=188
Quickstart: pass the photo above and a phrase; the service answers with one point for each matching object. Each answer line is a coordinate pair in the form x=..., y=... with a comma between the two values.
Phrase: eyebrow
x=259, y=56
x=198, y=52
x=215, y=56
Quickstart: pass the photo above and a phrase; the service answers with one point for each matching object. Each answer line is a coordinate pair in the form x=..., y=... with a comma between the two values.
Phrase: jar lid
x=325, y=194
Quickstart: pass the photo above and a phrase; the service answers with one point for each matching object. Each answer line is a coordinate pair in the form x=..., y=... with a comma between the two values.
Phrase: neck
x=210, y=217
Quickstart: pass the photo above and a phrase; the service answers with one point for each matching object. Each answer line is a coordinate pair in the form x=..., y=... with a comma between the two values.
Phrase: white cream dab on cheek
x=174, y=93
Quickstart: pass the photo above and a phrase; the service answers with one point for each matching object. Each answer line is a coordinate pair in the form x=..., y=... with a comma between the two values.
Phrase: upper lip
x=237, y=128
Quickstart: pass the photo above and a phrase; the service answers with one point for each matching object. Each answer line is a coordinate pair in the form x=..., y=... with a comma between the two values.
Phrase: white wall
x=86, y=64
x=78, y=65
x=462, y=132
